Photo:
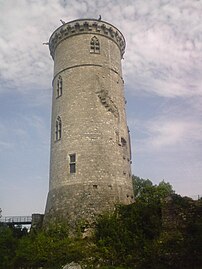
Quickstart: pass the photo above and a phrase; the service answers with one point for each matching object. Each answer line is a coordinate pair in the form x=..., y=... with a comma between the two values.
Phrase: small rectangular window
x=72, y=158
x=72, y=163
x=72, y=168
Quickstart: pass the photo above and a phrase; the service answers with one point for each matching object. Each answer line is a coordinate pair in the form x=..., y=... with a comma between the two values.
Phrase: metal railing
x=16, y=220
x=196, y=197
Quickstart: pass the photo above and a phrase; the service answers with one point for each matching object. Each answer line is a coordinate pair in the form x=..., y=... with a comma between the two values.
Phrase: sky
x=162, y=69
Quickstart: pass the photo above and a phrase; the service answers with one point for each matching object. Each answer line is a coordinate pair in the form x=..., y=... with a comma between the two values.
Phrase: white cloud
x=164, y=42
x=25, y=62
x=163, y=58
x=165, y=134
x=165, y=49
x=5, y=146
x=173, y=133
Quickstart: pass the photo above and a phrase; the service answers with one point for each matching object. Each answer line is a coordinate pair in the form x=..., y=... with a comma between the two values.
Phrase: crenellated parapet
x=86, y=26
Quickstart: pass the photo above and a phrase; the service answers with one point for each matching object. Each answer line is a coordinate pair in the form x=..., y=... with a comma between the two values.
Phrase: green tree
x=139, y=185
x=180, y=242
x=145, y=186
x=9, y=236
x=50, y=248
x=7, y=247
x=129, y=237
x=160, y=230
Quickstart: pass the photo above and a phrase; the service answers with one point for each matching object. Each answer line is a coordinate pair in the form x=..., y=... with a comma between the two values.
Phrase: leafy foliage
x=50, y=248
x=9, y=239
x=160, y=230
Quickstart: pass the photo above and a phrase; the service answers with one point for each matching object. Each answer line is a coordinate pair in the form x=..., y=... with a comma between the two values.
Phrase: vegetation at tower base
x=161, y=230
x=10, y=237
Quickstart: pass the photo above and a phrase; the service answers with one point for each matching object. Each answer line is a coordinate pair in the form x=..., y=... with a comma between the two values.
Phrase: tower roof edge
x=85, y=26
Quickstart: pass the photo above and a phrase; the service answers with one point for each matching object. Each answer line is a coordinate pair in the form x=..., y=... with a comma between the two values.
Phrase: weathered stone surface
x=37, y=221
x=72, y=265
x=80, y=27
x=93, y=124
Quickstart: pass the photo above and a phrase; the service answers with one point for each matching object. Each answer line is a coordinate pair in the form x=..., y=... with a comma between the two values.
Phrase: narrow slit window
x=59, y=87
x=124, y=146
x=94, y=45
x=123, y=142
x=58, y=129
x=72, y=163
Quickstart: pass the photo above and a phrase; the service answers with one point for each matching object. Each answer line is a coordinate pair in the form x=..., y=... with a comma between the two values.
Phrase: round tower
x=90, y=162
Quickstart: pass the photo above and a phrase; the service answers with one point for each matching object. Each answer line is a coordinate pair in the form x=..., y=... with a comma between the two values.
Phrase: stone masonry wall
x=94, y=127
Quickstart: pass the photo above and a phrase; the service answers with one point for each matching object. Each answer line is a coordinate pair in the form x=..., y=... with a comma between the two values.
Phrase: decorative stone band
x=83, y=65
x=86, y=26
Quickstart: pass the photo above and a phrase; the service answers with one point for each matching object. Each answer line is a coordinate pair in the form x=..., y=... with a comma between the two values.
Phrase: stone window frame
x=58, y=129
x=72, y=163
x=59, y=87
x=94, y=45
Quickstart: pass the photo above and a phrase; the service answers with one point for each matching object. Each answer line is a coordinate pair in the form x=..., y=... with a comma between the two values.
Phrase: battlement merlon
x=86, y=26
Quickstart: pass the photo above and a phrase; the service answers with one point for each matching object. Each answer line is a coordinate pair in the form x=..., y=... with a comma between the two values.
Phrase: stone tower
x=90, y=163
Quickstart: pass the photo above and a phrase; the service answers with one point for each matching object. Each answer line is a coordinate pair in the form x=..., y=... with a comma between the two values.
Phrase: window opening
x=59, y=86
x=94, y=45
x=58, y=129
x=72, y=163
x=110, y=186
x=124, y=146
x=123, y=142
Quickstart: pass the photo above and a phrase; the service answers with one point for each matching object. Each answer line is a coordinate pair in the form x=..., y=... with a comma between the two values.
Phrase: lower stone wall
x=76, y=203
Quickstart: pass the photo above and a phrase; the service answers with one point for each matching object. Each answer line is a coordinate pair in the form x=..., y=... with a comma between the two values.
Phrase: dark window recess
x=72, y=163
x=72, y=158
x=94, y=45
x=94, y=186
x=58, y=129
x=59, y=87
x=123, y=142
x=72, y=168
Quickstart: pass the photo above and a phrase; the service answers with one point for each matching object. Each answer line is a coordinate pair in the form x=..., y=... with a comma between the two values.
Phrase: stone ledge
x=86, y=26
x=85, y=65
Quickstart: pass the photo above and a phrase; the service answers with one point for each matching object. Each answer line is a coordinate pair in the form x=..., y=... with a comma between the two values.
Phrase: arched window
x=58, y=129
x=59, y=87
x=94, y=45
